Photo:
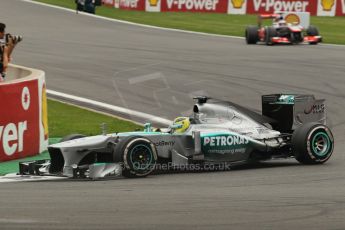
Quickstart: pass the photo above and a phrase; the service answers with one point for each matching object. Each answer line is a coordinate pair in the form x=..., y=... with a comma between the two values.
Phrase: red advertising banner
x=19, y=120
x=214, y=6
x=271, y=6
x=132, y=4
x=340, y=8
x=314, y=7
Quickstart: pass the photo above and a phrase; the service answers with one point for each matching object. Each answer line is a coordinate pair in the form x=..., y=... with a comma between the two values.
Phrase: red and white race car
x=281, y=32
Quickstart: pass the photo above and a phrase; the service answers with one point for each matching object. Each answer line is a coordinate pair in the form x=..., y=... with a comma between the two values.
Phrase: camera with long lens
x=13, y=39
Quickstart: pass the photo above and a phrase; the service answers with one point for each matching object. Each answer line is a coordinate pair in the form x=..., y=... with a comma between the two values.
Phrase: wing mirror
x=148, y=127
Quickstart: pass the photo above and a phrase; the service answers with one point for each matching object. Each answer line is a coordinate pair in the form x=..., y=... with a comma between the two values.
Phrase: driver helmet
x=282, y=23
x=278, y=18
x=184, y=122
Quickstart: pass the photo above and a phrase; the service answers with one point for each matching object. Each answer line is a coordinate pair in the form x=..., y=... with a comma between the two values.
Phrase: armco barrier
x=23, y=114
x=315, y=7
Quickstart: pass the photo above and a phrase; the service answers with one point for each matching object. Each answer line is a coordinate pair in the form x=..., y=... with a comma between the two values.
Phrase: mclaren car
x=281, y=32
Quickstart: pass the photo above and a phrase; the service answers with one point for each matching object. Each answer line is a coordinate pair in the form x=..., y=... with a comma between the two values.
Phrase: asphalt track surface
x=157, y=72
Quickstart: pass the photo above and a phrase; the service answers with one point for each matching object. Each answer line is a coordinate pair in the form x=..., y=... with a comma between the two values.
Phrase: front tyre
x=270, y=32
x=312, y=143
x=138, y=154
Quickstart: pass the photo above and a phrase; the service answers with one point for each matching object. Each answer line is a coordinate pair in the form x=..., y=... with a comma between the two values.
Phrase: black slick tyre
x=312, y=31
x=251, y=34
x=138, y=155
x=312, y=143
x=270, y=32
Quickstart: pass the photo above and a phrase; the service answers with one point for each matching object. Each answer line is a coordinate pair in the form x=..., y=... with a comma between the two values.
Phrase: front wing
x=307, y=39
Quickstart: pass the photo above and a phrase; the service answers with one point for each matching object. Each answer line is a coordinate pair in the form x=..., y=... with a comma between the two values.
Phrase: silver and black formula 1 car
x=217, y=132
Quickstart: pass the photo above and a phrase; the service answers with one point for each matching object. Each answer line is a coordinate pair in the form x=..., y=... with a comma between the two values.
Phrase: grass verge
x=331, y=28
x=65, y=119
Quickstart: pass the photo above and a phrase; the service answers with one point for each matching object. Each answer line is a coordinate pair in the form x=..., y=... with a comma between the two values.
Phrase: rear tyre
x=270, y=32
x=312, y=31
x=138, y=154
x=72, y=137
x=312, y=143
x=251, y=34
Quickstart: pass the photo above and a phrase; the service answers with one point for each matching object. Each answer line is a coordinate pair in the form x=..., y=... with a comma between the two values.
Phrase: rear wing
x=262, y=17
x=292, y=111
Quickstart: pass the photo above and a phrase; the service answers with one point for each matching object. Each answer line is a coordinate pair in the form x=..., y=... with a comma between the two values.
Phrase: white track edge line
x=114, y=108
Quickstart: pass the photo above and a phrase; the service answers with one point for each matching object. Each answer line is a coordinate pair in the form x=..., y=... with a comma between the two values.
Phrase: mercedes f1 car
x=281, y=32
x=217, y=132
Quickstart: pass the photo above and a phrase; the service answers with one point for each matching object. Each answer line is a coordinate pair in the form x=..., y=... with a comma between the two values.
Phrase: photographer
x=7, y=44
x=4, y=53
